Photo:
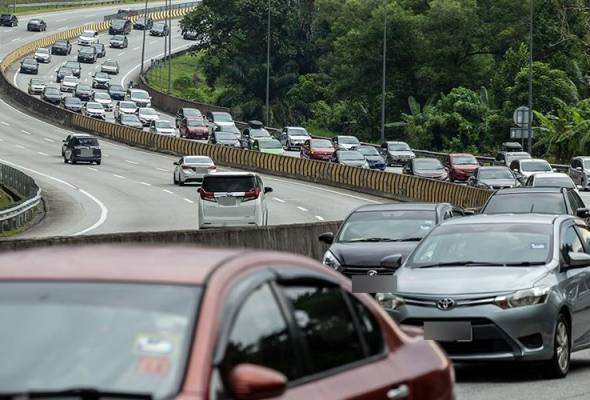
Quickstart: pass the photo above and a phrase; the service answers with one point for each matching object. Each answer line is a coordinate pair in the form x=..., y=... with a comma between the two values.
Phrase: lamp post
x=268, y=66
x=384, y=71
x=170, y=48
x=530, y=124
x=143, y=40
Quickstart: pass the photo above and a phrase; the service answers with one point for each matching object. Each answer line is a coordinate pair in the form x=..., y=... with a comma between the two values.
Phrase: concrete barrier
x=23, y=211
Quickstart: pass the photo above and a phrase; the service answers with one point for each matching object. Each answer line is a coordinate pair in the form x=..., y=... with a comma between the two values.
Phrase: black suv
x=61, y=47
x=87, y=55
x=63, y=71
x=8, y=20
x=37, y=24
x=120, y=27
x=101, y=50
x=75, y=67
x=159, y=29
x=81, y=147
x=143, y=23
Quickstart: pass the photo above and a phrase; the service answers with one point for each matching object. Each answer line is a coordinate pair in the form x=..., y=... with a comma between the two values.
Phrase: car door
x=573, y=171
x=305, y=149
x=584, y=294
x=179, y=117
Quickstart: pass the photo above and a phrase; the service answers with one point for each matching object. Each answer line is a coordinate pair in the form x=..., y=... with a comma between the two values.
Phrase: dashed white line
x=303, y=209
x=118, y=176
x=1, y=140
x=188, y=200
x=19, y=146
x=132, y=162
x=121, y=54
x=23, y=131
x=145, y=183
x=16, y=40
x=162, y=169
x=136, y=48
x=279, y=200
x=49, y=140
x=4, y=123
x=42, y=154
x=167, y=191
x=92, y=169
x=61, y=20
x=319, y=218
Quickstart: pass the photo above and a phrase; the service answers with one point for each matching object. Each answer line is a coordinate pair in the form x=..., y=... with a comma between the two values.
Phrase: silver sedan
x=193, y=169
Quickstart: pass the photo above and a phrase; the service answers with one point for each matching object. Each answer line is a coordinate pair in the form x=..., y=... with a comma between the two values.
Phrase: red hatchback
x=317, y=149
x=188, y=323
x=193, y=128
x=461, y=166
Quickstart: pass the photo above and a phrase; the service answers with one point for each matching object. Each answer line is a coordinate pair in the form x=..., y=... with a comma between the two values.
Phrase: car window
x=514, y=165
x=260, y=336
x=570, y=242
x=327, y=326
x=370, y=328
x=585, y=235
x=575, y=200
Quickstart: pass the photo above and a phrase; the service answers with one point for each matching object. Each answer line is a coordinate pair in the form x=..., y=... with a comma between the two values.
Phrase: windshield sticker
x=154, y=344
x=151, y=365
x=537, y=246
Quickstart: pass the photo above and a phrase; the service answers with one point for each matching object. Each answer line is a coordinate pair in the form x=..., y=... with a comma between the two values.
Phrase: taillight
x=252, y=195
x=212, y=168
x=207, y=196
x=186, y=167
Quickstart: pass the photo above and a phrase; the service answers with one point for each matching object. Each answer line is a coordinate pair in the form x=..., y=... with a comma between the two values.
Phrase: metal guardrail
x=142, y=11
x=66, y=3
x=22, y=211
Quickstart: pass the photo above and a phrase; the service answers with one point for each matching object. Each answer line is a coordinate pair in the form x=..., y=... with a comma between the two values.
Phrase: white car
x=293, y=137
x=193, y=169
x=551, y=179
x=147, y=115
x=88, y=38
x=139, y=97
x=232, y=199
x=125, y=107
x=163, y=127
x=69, y=84
x=221, y=121
x=94, y=110
x=43, y=55
x=103, y=99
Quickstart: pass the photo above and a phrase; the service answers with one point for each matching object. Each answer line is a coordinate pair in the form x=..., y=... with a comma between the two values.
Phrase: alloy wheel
x=562, y=346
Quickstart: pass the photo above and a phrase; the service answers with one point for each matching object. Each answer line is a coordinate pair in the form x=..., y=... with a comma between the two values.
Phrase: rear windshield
x=270, y=144
x=198, y=160
x=85, y=142
x=558, y=181
x=222, y=117
x=348, y=140
x=259, y=133
x=535, y=166
x=368, y=151
x=525, y=203
x=229, y=183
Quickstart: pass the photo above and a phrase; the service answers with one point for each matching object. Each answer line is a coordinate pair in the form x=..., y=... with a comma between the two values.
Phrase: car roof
x=460, y=154
x=508, y=218
x=551, y=175
x=583, y=157
x=527, y=160
x=528, y=189
x=228, y=173
x=410, y=206
x=80, y=134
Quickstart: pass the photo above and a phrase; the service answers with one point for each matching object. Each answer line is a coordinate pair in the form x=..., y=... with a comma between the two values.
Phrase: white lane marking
x=121, y=54
x=303, y=209
x=42, y=154
x=132, y=162
x=19, y=146
x=279, y=200
x=16, y=40
x=49, y=140
x=1, y=140
x=145, y=183
x=118, y=176
x=136, y=48
x=167, y=191
x=188, y=200
x=139, y=65
x=92, y=169
x=23, y=131
x=319, y=218
x=162, y=169
x=104, y=212
x=4, y=123
x=15, y=76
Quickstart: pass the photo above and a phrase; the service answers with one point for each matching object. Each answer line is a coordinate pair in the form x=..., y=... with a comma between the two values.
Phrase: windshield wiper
x=82, y=393
x=461, y=264
x=409, y=239
x=373, y=240
x=524, y=263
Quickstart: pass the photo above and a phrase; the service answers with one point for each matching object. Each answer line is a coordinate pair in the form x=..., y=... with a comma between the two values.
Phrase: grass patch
x=37, y=10
x=317, y=131
x=5, y=200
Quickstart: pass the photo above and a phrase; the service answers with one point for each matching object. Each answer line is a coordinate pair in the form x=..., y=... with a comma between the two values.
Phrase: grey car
x=493, y=178
x=579, y=171
x=500, y=288
x=351, y=158
x=397, y=153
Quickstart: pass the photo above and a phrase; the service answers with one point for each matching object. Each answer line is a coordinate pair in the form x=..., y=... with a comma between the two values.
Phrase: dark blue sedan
x=374, y=159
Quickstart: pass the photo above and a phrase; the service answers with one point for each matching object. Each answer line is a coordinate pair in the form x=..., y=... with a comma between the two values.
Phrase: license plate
x=86, y=153
x=226, y=201
x=443, y=331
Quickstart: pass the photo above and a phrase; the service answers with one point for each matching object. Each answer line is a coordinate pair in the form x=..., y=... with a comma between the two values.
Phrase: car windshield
x=516, y=156
x=270, y=144
x=43, y=51
x=129, y=118
x=73, y=100
x=192, y=112
x=83, y=88
x=229, y=183
x=70, y=79
x=321, y=144
x=558, y=181
x=72, y=64
x=225, y=136
x=348, y=140
x=87, y=50
x=59, y=333
x=101, y=96
x=525, y=203
x=88, y=34
x=36, y=81
x=94, y=106
x=118, y=38
x=298, y=132
x=29, y=61
x=101, y=75
x=351, y=156
x=195, y=123
x=586, y=164
x=118, y=23
x=159, y=26
x=367, y=151
x=498, y=243
x=163, y=124
x=116, y=88
x=221, y=117
x=464, y=160
x=495, y=173
x=127, y=104
x=51, y=91
x=535, y=166
x=60, y=44
x=140, y=95
x=428, y=164
x=147, y=111
x=255, y=133
x=365, y=226
x=197, y=160
x=398, y=147
x=109, y=64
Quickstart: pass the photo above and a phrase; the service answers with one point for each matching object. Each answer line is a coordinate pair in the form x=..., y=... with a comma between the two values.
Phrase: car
x=222, y=121
x=352, y=158
x=188, y=34
x=36, y=24
x=505, y=158
x=61, y=47
x=69, y=83
x=62, y=72
x=75, y=66
x=130, y=120
x=187, y=112
x=268, y=145
x=88, y=38
x=81, y=147
x=345, y=142
x=52, y=95
x=127, y=13
x=120, y=27
x=125, y=107
x=87, y=55
x=103, y=99
x=538, y=200
x=101, y=80
x=397, y=153
x=192, y=169
x=525, y=167
x=232, y=199
x=496, y=288
x=84, y=92
x=193, y=128
x=147, y=115
x=317, y=149
x=94, y=110
x=263, y=316
x=374, y=159
x=117, y=92
x=426, y=168
x=461, y=166
x=162, y=127
x=224, y=139
x=139, y=97
x=159, y=29
x=110, y=67
x=493, y=178
x=254, y=130
x=119, y=42
x=29, y=66
x=143, y=23
x=293, y=137
x=43, y=55
x=73, y=104
x=552, y=179
x=36, y=86
x=8, y=20
x=579, y=171
x=101, y=50
x=371, y=233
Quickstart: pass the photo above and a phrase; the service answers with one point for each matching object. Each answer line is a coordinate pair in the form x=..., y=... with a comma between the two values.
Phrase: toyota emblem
x=445, y=304
x=371, y=272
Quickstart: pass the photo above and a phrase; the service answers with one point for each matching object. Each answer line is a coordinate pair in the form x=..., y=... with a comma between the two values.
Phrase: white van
x=232, y=199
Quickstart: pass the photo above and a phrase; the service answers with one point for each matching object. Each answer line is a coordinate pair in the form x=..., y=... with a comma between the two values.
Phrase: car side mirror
x=175, y=163
x=267, y=190
x=579, y=169
x=254, y=382
x=327, y=238
x=391, y=262
x=578, y=260
x=583, y=213
x=470, y=211
x=554, y=169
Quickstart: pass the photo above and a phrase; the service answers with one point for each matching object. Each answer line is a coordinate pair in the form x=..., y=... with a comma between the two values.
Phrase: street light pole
x=530, y=125
x=384, y=70
x=170, y=48
x=143, y=40
x=268, y=67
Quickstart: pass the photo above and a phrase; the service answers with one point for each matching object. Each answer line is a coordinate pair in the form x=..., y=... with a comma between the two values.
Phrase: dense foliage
x=456, y=69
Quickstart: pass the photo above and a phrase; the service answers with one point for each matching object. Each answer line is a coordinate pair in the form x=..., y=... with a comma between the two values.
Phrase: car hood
x=430, y=174
x=229, y=142
x=464, y=168
x=353, y=163
x=323, y=150
x=273, y=151
x=197, y=129
x=365, y=254
x=375, y=159
x=499, y=182
x=467, y=280
x=401, y=152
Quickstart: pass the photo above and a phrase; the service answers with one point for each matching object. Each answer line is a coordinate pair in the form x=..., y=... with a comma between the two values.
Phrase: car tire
x=98, y=162
x=558, y=366
x=180, y=181
x=65, y=160
x=174, y=179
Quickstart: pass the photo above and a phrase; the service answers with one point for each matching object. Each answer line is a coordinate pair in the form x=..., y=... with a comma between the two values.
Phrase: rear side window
x=229, y=183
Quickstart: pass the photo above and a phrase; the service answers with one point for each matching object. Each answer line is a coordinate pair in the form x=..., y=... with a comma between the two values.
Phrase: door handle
x=399, y=392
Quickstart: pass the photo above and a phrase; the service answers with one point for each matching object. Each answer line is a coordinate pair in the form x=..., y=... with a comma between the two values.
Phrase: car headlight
x=366, y=165
x=389, y=301
x=331, y=261
x=522, y=298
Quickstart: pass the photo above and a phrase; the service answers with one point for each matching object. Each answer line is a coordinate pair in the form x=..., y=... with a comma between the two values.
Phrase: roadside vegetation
x=5, y=200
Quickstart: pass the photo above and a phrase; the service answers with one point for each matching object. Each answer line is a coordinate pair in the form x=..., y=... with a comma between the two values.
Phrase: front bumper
x=116, y=45
x=43, y=59
x=320, y=157
x=67, y=89
x=29, y=71
x=97, y=116
x=103, y=85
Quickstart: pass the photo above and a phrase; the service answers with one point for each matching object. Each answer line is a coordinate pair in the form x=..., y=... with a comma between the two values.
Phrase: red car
x=195, y=324
x=317, y=149
x=461, y=166
x=193, y=128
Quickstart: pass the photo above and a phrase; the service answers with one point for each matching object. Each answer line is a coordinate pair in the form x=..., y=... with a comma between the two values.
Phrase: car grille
x=349, y=271
x=501, y=187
